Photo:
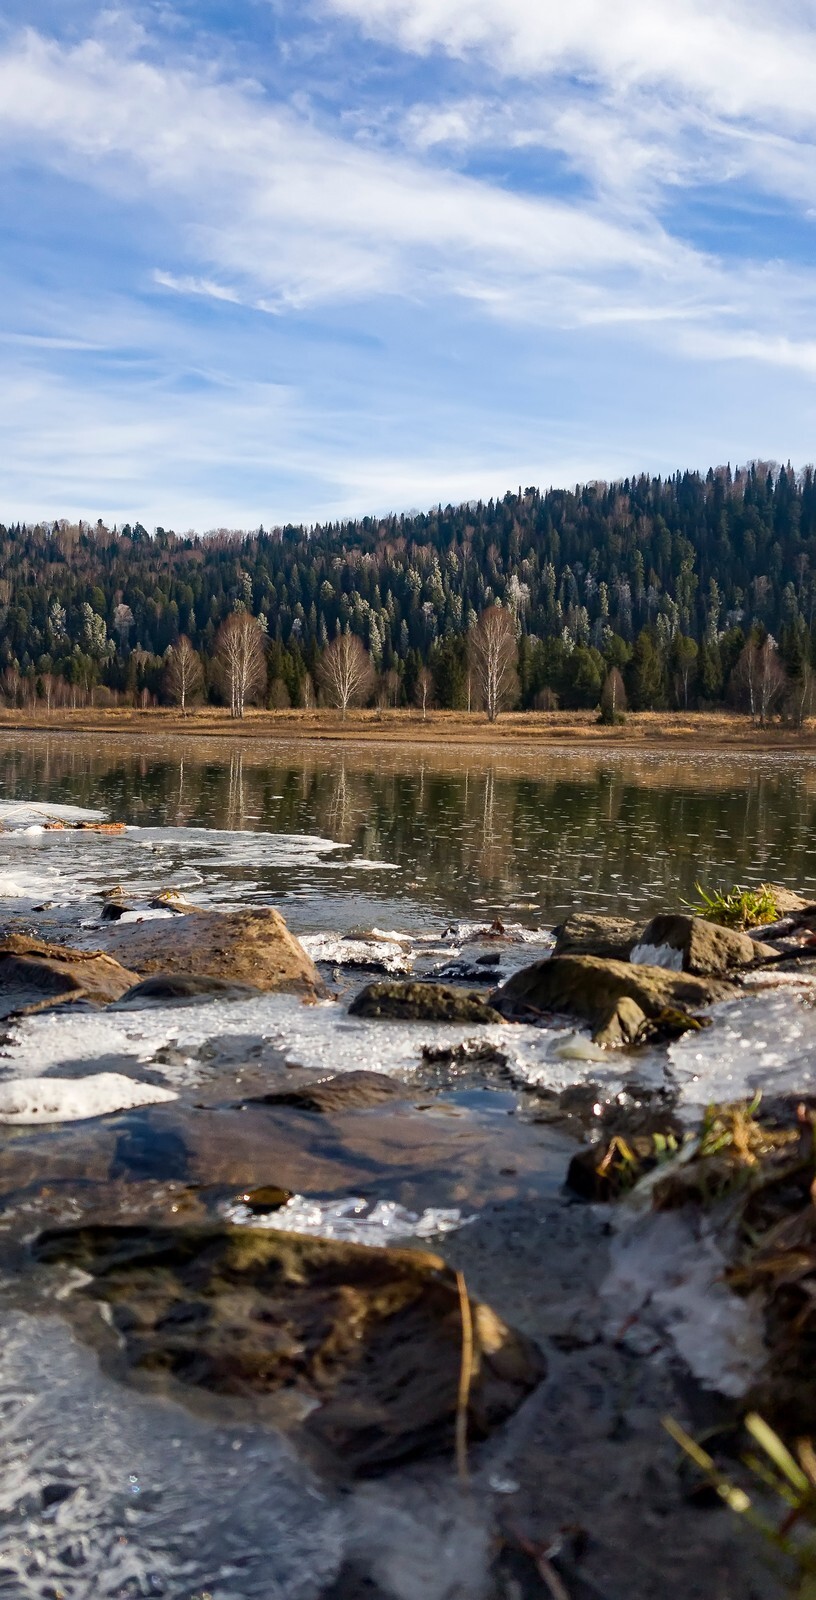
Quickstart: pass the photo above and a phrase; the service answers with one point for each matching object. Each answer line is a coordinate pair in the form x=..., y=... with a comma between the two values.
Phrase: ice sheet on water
x=44, y=1100
x=21, y=815
x=110, y=1494
x=357, y=1220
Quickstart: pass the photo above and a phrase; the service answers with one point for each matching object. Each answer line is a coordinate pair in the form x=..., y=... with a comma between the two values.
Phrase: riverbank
x=516, y=730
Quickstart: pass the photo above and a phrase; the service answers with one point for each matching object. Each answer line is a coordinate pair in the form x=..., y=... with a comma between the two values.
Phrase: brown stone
x=588, y=933
x=252, y=946
x=34, y=974
x=704, y=948
x=373, y=1336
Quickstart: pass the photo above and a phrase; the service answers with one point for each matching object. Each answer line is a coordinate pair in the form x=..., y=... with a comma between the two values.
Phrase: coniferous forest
x=668, y=581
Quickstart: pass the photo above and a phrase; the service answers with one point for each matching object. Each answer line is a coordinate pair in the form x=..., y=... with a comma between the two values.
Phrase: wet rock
x=35, y=975
x=420, y=1002
x=264, y=1200
x=182, y=988
x=347, y=1091
x=689, y=944
x=615, y=997
x=374, y=1337
x=253, y=947
x=116, y=903
x=588, y=933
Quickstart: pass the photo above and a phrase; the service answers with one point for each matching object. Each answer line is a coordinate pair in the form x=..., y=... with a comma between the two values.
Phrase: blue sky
x=268, y=261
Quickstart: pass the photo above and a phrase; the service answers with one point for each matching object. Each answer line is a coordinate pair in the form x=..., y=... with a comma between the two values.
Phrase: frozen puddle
x=109, y=1494
x=356, y=1220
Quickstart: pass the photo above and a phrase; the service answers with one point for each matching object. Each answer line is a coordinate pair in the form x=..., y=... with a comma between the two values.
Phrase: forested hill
x=624, y=574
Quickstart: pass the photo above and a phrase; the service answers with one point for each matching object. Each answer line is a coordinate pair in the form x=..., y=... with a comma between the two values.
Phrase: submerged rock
x=421, y=1002
x=371, y=1338
x=347, y=1091
x=615, y=997
x=253, y=947
x=183, y=988
x=689, y=944
x=588, y=933
x=35, y=974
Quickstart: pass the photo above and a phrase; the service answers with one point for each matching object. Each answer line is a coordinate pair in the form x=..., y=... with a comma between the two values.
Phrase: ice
x=665, y=1285
x=382, y=953
x=17, y=815
x=657, y=955
x=37, y=1100
x=761, y=1041
x=110, y=1495
x=354, y=1219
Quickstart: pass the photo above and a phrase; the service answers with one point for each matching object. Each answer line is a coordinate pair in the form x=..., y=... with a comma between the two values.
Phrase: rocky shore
x=205, y=1194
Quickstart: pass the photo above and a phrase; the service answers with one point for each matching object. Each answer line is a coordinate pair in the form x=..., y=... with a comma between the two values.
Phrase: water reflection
x=537, y=829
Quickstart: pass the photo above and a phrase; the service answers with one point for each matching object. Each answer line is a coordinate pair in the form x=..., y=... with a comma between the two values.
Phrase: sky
x=291, y=260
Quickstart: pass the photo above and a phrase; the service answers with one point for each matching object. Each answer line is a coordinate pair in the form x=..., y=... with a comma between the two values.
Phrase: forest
x=664, y=581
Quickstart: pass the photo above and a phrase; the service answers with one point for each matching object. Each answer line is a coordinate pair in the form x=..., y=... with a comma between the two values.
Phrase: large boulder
x=372, y=1338
x=615, y=997
x=252, y=946
x=689, y=944
x=420, y=1002
x=35, y=975
x=588, y=933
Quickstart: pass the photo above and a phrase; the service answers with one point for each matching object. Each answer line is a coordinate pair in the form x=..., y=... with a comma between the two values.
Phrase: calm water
x=444, y=832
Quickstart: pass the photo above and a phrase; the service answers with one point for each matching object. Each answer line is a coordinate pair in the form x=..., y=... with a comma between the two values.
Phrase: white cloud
x=739, y=57
x=278, y=212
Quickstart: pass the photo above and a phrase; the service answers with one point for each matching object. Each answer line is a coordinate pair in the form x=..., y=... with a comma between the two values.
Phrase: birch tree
x=241, y=660
x=346, y=672
x=183, y=675
x=493, y=656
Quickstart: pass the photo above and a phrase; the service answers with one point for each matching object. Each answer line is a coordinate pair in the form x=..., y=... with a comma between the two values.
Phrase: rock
x=689, y=944
x=347, y=1091
x=420, y=1002
x=614, y=996
x=786, y=901
x=264, y=1200
x=587, y=933
x=183, y=989
x=116, y=903
x=252, y=947
x=374, y=1337
x=34, y=975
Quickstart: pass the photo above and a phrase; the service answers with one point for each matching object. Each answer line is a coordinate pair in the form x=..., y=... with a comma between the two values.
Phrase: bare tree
x=493, y=655
x=346, y=673
x=423, y=694
x=307, y=694
x=799, y=704
x=760, y=678
x=241, y=660
x=613, y=697
x=183, y=674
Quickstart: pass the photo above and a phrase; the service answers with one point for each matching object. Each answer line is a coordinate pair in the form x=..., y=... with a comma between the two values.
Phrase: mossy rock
x=421, y=1002
x=372, y=1339
x=615, y=997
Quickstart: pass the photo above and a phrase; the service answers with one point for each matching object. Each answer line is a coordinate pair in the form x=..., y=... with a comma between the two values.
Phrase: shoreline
x=513, y=731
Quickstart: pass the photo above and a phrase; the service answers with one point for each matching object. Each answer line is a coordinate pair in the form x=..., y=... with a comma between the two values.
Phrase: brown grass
x=529, y=729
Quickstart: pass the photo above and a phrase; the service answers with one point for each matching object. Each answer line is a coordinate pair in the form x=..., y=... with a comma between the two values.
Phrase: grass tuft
x=735, y=908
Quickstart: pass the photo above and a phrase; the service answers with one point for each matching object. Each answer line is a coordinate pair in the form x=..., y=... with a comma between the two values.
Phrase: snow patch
x=40, y=1100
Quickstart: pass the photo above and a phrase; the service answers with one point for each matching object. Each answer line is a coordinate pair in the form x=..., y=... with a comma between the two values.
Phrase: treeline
x=664, y=580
